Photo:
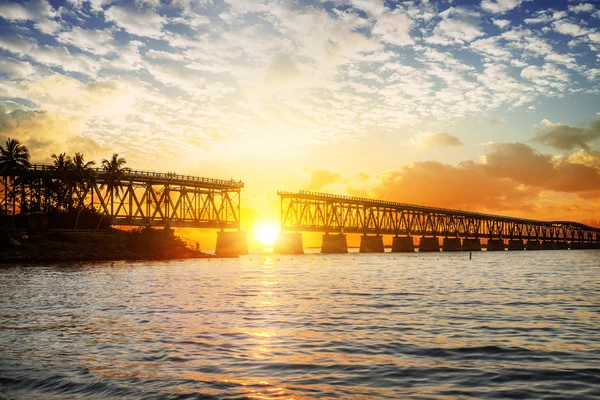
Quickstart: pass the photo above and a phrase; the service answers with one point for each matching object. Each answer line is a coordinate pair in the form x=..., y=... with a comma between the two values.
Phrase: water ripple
x=515, y=325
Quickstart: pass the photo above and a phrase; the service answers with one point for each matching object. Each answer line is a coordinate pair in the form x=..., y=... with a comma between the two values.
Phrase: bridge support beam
x=371, y=244
x=471, y=245
x=429, y=245
x=583, y=245
x=231, y=243
x=334, y=244
x=289, y=243
x=534, y=245
x=451, y=244
x=562, y=246
x=549, y=245
x=516, y=244
x=495, y=245
x=403, y=244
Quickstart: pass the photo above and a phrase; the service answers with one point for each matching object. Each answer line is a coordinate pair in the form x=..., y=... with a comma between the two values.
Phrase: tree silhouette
x=63, y=165
x=14, y=158
x=115, y=171
x=82, y=176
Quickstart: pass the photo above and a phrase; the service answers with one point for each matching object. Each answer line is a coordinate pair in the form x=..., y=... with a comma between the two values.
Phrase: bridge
x=134, y=198
x=336, y=215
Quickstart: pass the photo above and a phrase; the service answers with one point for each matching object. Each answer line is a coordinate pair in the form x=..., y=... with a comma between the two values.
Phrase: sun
x=265, y=233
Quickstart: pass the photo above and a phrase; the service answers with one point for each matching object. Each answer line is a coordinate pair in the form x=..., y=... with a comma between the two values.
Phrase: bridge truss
x=319, y=212
x=137, y=198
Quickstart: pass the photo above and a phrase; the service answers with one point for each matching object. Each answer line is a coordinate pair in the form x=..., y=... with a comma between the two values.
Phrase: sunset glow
x=265, y=233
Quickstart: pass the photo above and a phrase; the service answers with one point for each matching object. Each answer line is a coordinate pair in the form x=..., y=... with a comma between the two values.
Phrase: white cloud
x=458, y=25
x=501, y=23
x=139, y=22
x=499, y=6
x=394, y=28
x=38, y=11
x=583, y=7
x=569, y=28
x=16, y=43
x=16, y=69
x=90, y=40
x=567, y=60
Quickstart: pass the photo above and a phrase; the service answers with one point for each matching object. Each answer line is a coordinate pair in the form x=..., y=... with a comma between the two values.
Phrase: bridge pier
x=231, y=243
x=429, y=245
x=451, y=244
x=403, y=244
x=334, y=244
x=534, y=245
x=495, y=245
x=371, y=244
x=471, y=245
x=549, y=245
x=289, y=243
x=515, y=244
x=562, y=246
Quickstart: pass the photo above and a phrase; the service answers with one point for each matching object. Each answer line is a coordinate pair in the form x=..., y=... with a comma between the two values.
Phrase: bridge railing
x=167, y=176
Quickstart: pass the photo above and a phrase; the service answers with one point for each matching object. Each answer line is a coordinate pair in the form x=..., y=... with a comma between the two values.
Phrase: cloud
x=569, y=28
x=458, y=25
x=512, y=177
x=321, y=178
x=16, y=69
x=466, y=186
x=501, y=23
x=91, y=40
x=439, y=139
x=38, y=11
x=499, y=6
x=136, y=21
x=565, y=137
x=521, y=163
x=394, y=28
x=583, y=7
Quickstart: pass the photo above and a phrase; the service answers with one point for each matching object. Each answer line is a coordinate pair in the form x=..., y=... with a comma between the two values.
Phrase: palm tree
x=115, y=172
x=14, y=159
x=82, y=172
x=63, y=165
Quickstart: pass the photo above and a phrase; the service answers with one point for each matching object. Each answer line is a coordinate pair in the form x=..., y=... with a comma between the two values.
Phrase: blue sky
x=328, y=95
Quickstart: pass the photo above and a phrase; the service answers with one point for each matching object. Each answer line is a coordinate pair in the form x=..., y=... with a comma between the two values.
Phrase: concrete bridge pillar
x=371, y=244
x=451, y=244
x=495, y=245
x=403, y=244
x=562, y=246
x=429, y=244
x=471, y=245
x=334, y=244
x=289, y=243
x=515, y=244
x=534, y=245
x=549, y=245
x=231, y=243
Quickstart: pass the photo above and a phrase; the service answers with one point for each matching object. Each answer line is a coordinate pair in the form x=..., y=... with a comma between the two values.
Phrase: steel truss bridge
x=319, y=212
x=138, y=198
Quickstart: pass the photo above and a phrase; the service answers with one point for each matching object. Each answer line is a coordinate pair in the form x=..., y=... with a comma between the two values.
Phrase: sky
x=487, y=105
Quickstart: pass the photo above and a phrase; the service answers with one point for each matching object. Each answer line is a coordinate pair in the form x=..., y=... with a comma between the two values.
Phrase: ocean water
x=513, y=325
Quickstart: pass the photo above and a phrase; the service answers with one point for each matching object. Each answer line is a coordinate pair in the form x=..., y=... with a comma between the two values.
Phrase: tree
x=14, y=159
x=63, y=165
x=115, y=172
x=82, y=172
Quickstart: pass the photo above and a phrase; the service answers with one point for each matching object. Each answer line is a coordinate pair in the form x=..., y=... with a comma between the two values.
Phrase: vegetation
x=59, y=199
